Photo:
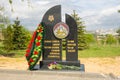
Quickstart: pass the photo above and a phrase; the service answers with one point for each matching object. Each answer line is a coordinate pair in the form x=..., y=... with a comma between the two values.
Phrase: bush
x=110, y=39
x=6, y=54
x=90, y=38
x=119, y=40
x=16, y=36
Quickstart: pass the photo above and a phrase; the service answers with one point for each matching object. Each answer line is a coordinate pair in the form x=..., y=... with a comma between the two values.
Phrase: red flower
x=34, y=34
x=39, y=24
x=28, y=50
x=35, y=52
x=39, y=37
x=31, y=60
x=30, y=45
x=28, y=63
x=38, y=44
x=40, y=30
x=49, y=65
x=31, y=41
x=26, y=54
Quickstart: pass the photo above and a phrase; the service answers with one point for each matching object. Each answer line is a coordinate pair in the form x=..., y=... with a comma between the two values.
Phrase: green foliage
x=118, y=31
x=90, y=38
x=119, y=40
x=2, y=26
x=1, y=8
x=3, y=19
x=8, y=35
x=18, y=53
x=20, y=36
x=119, y=11
x=26, y=36
x=110, y=39
x=103, y=41
x=6, y=54
x=100, y=51
x=82, y=42
x=10, y=1
x=16, y=36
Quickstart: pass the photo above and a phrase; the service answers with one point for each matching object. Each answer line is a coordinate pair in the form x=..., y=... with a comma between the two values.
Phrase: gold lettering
x=70, y=47
x=55, y=50
x=71, y=50
x=70, y=41
x=54, y=53
x=55, y=41
x=47, y=47
x=71, y=44
x=53, y=56
x=50, y=41
x=56, y=44
x=55, y=47
x=47, y=41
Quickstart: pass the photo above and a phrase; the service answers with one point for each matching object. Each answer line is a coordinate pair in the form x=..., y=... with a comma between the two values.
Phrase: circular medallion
x=61, y=30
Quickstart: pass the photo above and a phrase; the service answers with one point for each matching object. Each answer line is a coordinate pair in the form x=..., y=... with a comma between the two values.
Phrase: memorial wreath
x=34, y=50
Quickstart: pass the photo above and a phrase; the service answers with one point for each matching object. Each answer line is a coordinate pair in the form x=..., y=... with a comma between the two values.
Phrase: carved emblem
x=51, y=18
x=61, y=30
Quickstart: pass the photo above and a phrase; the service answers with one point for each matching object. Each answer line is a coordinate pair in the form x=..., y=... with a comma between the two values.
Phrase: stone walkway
x=52, y=75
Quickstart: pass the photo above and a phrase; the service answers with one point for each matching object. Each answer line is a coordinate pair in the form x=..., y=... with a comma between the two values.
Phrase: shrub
x=6, y=54
x=110, y=39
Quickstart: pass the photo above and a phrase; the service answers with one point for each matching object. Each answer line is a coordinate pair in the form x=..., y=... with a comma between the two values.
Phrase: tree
x=90, y=38
x=8, y=35
x=11, y=2
x=1, y=8
x=119, y=11
x=16, y=36
x=3, y=19
x=3, y=22
x=82, y=42
x=118, y=31
x=19, y=35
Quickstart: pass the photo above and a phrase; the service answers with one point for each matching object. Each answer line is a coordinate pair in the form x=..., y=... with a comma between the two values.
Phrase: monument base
x=44, y=64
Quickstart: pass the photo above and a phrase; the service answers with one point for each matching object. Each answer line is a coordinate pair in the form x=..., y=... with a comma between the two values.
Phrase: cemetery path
x=109, y=66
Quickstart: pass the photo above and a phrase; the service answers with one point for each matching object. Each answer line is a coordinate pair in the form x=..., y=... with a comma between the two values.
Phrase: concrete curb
x=60, y=73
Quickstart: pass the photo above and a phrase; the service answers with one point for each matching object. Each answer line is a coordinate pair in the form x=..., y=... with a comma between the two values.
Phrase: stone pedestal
x=44, y=64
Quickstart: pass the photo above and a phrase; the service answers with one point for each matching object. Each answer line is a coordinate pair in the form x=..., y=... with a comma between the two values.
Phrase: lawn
x=18, y=53
x=93, y=51
x=100, y=51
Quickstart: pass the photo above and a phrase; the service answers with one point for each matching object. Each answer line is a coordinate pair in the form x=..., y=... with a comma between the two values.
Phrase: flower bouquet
x=56, y=66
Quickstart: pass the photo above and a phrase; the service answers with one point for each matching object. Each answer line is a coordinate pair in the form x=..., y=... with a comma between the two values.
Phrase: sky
x=96, y=14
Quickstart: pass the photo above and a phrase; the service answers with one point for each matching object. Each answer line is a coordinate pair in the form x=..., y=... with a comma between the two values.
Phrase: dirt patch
x=102, y=65
x=13, y=63
x=94, y=65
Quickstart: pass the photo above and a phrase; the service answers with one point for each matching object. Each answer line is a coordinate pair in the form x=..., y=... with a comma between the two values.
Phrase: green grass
x=18, y=53
x=100, y=51
x=93, y=51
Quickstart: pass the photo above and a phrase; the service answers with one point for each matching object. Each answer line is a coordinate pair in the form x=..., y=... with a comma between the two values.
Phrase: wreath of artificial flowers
x=57, y=66
x=34, y=50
